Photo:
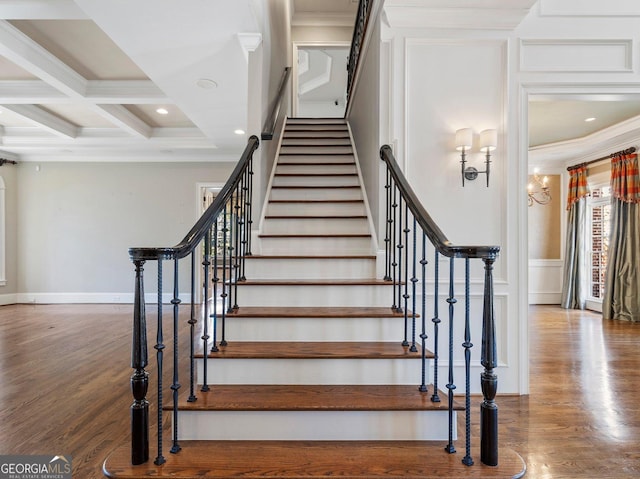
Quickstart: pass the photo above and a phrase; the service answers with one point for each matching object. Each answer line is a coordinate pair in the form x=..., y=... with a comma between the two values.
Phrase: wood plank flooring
x=64, y=371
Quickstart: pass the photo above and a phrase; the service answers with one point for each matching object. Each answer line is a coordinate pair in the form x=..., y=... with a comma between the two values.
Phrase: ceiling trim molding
x=457, y=14
x=596, y=145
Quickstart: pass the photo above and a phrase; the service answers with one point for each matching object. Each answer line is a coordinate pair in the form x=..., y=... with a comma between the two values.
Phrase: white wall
x=445, y=79
x=9, y=289
x=76, y=221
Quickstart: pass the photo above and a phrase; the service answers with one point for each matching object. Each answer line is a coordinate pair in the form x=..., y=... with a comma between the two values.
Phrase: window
x=598, y=216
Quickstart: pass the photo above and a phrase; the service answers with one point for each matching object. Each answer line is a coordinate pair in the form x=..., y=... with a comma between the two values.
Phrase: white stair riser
x=316, y=169
x=316, y=150
x=310, y=268
x=319, y=246
x=296, y=208
x=313, y=329
x=316, y=226
x=311, y=371
x=305, y=159
x=314, y=425
x=305, y=180
x=311, y=142
x=322, y=127
x=311, y=295
x=316, y=134
x=335, y=194
x=314, y=121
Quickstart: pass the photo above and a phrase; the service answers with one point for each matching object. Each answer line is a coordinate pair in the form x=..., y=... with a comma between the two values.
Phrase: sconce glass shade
x=488, y=140
x=464, y=139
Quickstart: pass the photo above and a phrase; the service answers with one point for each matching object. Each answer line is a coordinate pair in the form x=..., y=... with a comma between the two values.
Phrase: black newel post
x=140, y=378
x=489, y=380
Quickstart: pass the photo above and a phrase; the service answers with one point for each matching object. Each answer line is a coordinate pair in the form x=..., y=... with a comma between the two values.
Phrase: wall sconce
x=464, y=142
x=541, y=195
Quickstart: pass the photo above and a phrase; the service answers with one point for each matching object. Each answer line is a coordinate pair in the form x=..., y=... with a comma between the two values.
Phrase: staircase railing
x=357, y=42
x=408, y=229
x=270, y=123
x=219, y=241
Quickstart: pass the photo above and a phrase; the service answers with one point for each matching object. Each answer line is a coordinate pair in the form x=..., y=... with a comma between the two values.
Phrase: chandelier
x=538, y=190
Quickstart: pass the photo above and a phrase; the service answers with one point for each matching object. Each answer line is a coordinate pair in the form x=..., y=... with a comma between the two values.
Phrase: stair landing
x=314, y=459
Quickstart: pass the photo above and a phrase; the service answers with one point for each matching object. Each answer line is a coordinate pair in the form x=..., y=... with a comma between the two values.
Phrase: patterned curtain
x=575, y=274
x=622, y=287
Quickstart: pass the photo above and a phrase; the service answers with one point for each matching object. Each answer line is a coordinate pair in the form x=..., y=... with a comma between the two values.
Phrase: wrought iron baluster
x=394, y=261
x=175, y=386
x=423, y=313
x=159, y=347
x=467, y=460
x=206, y=262
x=400, y=251
x=435, y=397
x=223, y=295
x=140, y=377
x=450, y=448
x=214, y=305
x=192, y=329
x=250, y=208
x=230, y=249
x=414, y=280
x=244, y=222
x=236, y=251
x=387, y=235
x=405, y=295
x=488, y=379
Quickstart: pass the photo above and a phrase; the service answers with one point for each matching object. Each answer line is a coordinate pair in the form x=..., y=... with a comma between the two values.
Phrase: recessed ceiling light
x=162, y=111
x=206, y=83
x=589, y=119
x=239, y=131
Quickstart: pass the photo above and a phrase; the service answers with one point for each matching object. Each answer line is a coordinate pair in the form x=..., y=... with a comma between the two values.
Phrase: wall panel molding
x=576, y=56
x=590, y=8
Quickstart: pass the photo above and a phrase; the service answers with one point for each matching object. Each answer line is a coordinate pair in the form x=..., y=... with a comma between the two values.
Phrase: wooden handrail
x=431, y=229
x=203, y=225
x=270, y=124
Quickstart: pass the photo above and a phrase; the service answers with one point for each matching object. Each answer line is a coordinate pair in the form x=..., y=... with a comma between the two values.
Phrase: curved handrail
x=270, y=123
x=203, y=225
x=431, y=229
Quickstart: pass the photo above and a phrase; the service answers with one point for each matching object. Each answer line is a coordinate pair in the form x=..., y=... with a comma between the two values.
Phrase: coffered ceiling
x=82, y=80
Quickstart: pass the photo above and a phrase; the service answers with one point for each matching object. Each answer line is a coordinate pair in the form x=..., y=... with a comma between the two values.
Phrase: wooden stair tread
x=317, y=282
x=309, y=459
x=314, y=312
x=315, y=217
x=314, y=350
x=292, y=257
x=319, y=163
x=288, y=175
x=317, y=201
x=313, y=187
x=337, y=235
x=268, y=397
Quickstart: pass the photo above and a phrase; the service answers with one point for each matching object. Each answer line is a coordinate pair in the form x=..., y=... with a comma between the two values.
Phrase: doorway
x=320, y=80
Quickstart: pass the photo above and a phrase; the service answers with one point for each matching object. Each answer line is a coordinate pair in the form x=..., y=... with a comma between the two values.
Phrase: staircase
x=314, y=380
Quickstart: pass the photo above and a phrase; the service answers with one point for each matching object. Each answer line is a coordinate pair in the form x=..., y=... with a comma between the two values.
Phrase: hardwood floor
x=64, y=371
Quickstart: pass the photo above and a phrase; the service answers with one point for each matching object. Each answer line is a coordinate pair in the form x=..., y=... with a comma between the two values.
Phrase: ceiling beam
x=45, y=120
x=126, y=120
x=126, y=92
x=29, y=55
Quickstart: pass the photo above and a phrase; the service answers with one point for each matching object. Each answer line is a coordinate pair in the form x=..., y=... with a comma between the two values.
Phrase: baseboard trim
x=545, y=298
x=6, y=299
x=90, y=298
